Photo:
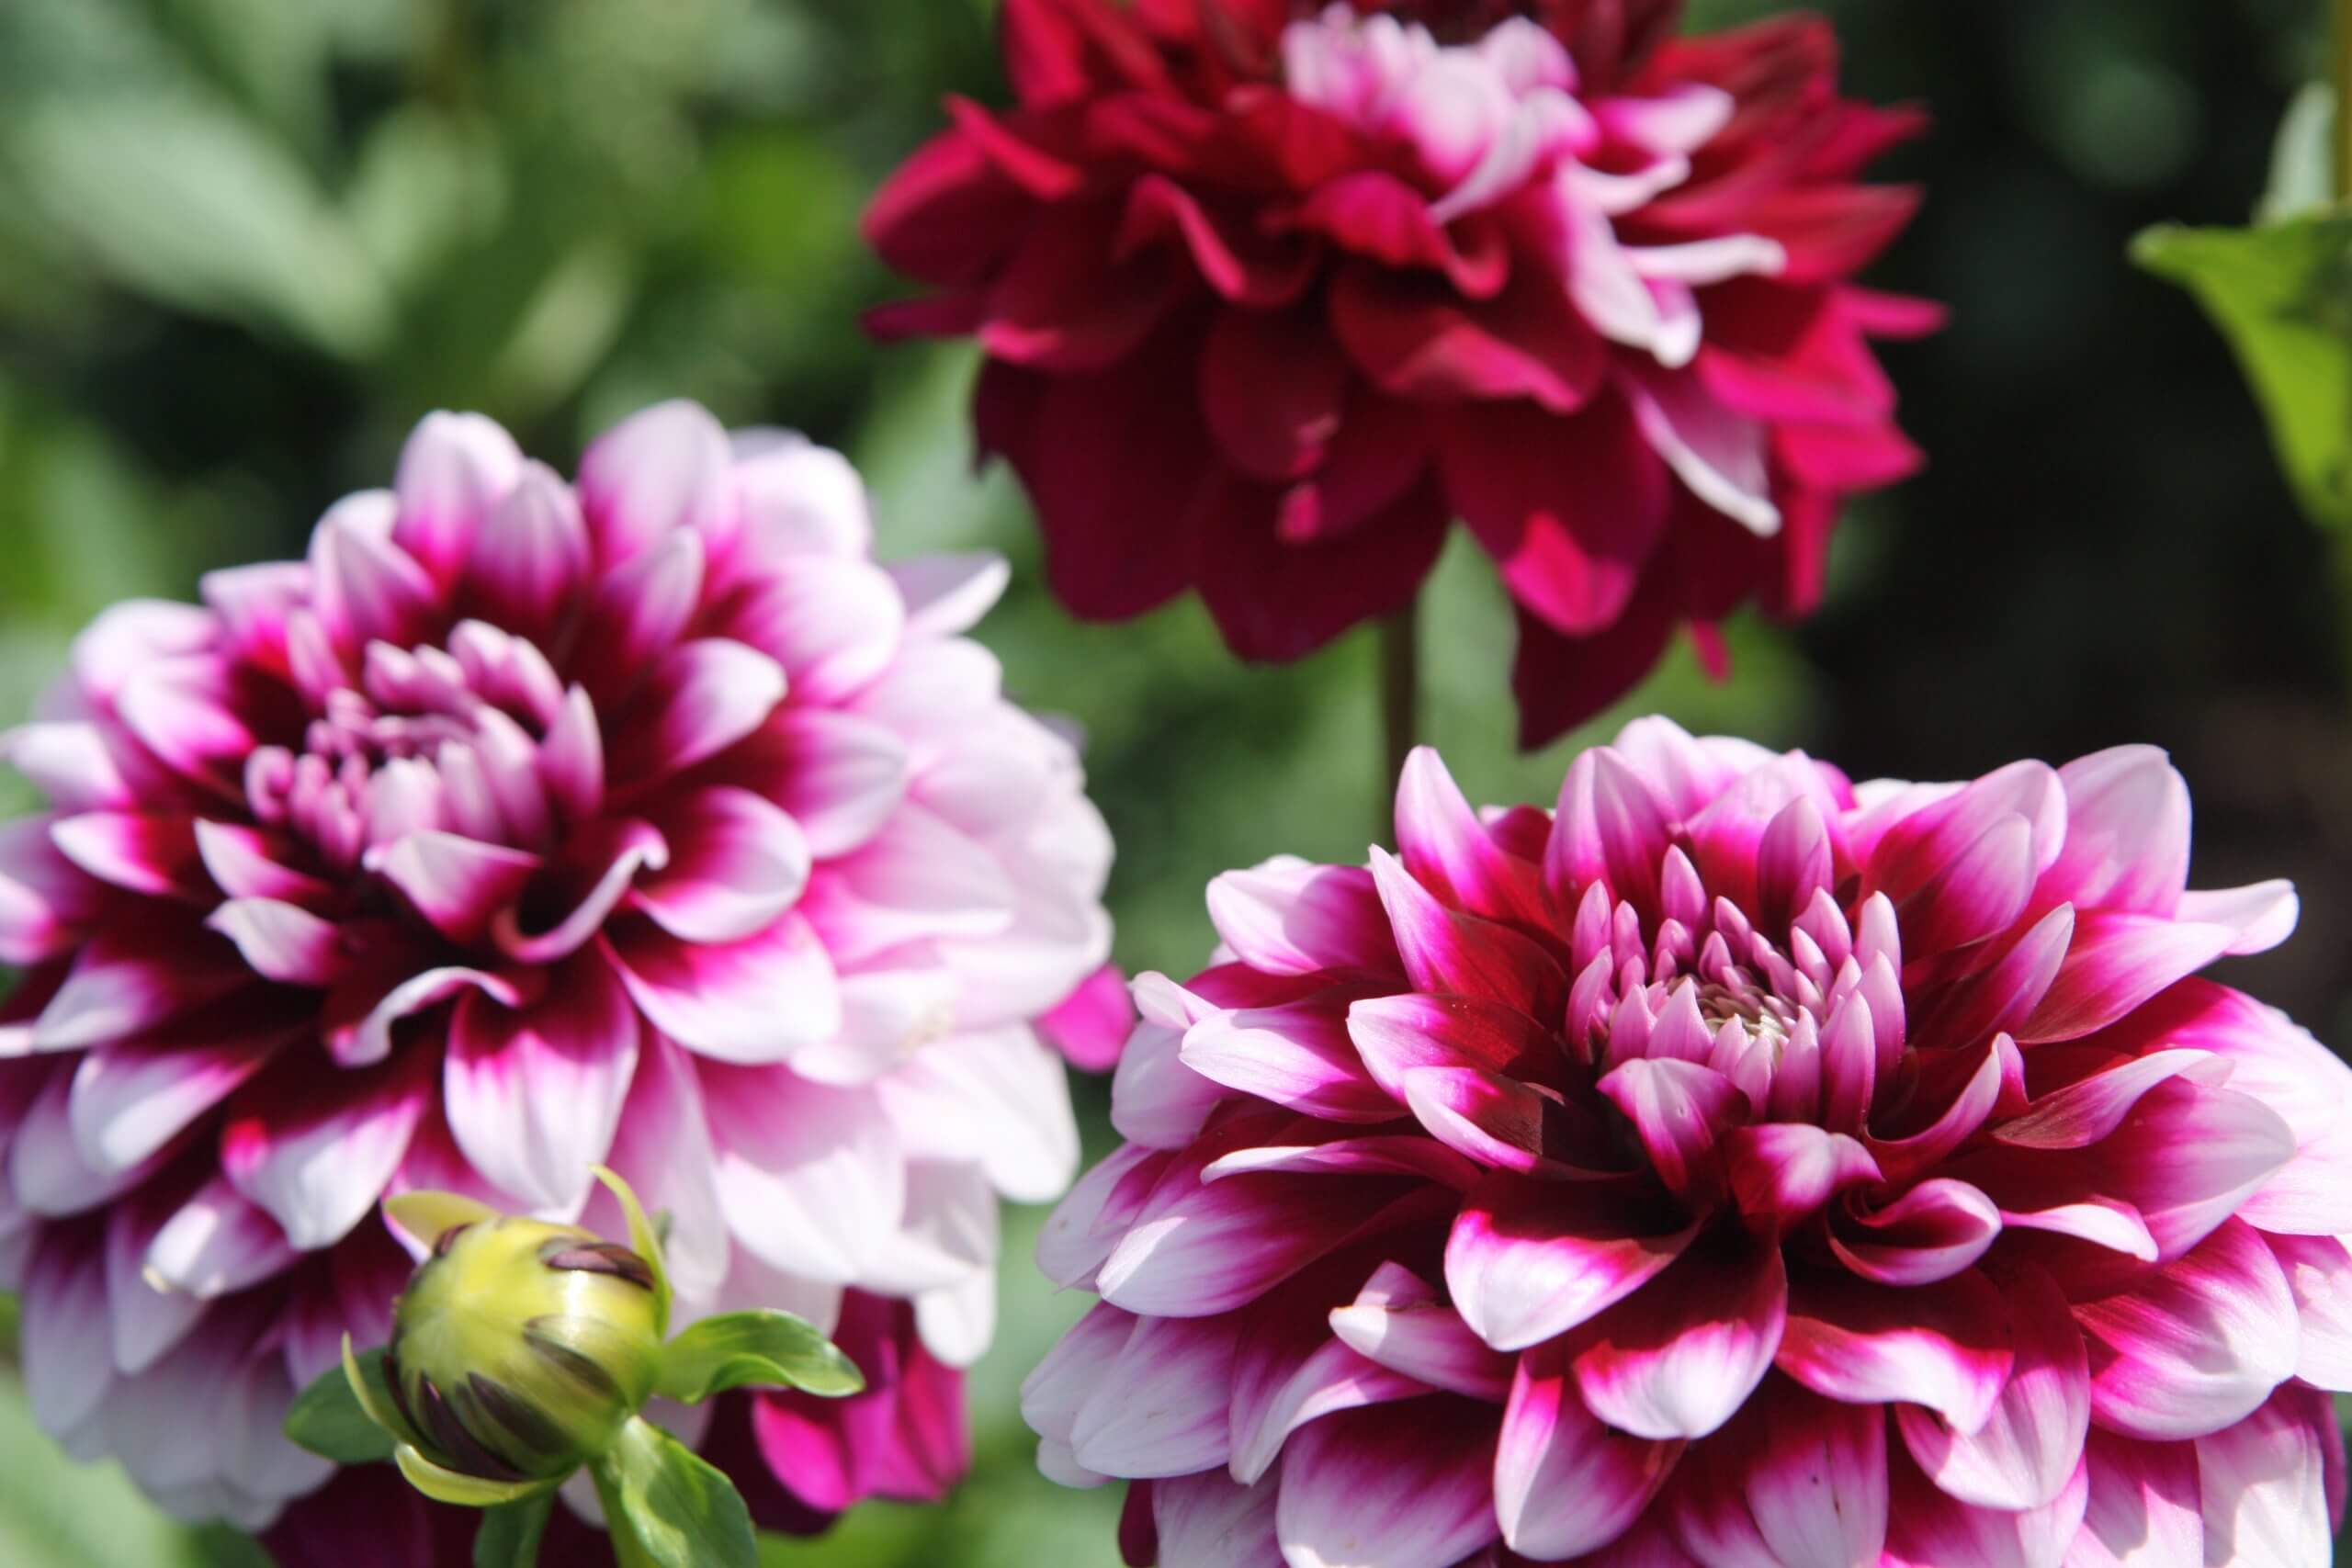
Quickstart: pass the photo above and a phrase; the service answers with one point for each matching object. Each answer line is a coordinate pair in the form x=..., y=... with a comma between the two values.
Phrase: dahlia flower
x=1734, y=1166
x=1270, y=294
x=527, y=825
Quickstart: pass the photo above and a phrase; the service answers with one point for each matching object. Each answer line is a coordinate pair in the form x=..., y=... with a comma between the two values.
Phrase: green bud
x=520, y=1348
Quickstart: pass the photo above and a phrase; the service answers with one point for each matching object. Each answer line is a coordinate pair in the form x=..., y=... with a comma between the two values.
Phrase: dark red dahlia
x=1269, y=298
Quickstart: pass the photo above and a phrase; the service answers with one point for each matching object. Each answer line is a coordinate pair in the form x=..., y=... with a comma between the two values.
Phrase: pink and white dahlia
x=1734, y=1166
x=526, y=824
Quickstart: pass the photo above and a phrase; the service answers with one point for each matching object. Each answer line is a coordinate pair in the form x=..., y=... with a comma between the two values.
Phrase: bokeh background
x=246, y=243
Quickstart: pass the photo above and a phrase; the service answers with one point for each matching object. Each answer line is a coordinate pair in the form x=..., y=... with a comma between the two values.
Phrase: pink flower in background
x=1272, y=293
x=522, y=826
x=1734, y=1166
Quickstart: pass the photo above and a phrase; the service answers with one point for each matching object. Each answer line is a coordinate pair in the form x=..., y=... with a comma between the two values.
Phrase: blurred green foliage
x=246, y=243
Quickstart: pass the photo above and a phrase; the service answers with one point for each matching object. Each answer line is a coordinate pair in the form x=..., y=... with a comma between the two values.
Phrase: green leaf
x=328, y=1419
x=509, y=1535
x=666, y=1509
x=771, y=1348
x=2282, y=295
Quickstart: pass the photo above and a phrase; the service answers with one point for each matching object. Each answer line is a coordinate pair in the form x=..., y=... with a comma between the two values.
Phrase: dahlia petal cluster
x=1733, y=1165
x=1271, y=294
x=526, y=824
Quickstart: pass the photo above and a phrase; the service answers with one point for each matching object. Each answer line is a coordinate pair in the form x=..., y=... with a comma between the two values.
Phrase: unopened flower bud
x=520, y=1348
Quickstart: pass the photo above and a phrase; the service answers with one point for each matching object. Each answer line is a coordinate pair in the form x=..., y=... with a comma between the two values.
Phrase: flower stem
x=2340, y=71
x=1401, y=701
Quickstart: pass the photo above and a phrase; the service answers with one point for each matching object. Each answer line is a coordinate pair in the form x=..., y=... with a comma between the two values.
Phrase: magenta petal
x=2002, y=997
x=1090, y=1026
x=1208, y=1521
x=284, y=943
x=1609, y=828
x=1927, y=1528
x=534, y=1096
x=1275, y=1397
x=1796, y=1479
x=663, y=469
x=1395, y=1154
x=1445, y=950
x=2145, y=1511
x=1394, y=1035
x=1529, y=1259
x=832, y=623
x=571, y=763
x=2086, y=1111
x=452, y=472
x=122, y=982
x=701, y=698
x=1288, y=916
x=2263, y=1486
x=149, y=852
x=1159, y=1407
x=318, y=1162
x=2319, y=1274
x=2127, y=833
x=456, y=883
x=840, y=775
x=44, y=898
x=1396, y=1487
x=1978, y=892
x=369, y=1040
x=1493, y=1119
x=248, y=862
x=1947, y=1348
x=1074, y=1372
x=2189, y=1156
x=529, y=557
x=1297, y=1055
x=1197, y=1250
x=944, y=595
x=217, y=1243
x=1784, y=1171
x=1680, y=1110
x=1931, y=1233
x=2196, y=1347
x=130, y=1100
x=751, y=1001
x=1398, y=1322
x=737, y=862
x=2025, y=1453
x=2263, y=913
x=2118, y=961
x=1450, y=851
x=1677, y=1360
x=1565, y=1483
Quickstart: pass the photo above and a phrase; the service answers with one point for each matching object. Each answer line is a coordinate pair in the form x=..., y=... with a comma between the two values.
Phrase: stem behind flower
x=1400, y=697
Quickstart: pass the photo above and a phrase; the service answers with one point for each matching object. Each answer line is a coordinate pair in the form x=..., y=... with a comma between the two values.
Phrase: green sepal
x=446, y=1486
x=643, y=1240
x=666, y=1509
x=329, y=1419
x=364, y=1378
x=509, y=1535
x=772, y=1349
x=427, y=1215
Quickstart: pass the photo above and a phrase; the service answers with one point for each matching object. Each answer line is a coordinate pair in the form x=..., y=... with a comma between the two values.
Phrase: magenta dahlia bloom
x=526, y=824
x=1734, y=1166
x=1271, y=292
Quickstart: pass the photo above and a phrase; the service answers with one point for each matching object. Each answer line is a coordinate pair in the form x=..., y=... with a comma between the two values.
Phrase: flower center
x=419, y=744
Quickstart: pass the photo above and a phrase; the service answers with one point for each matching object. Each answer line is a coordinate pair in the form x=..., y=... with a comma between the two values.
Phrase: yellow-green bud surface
x=520, y=1348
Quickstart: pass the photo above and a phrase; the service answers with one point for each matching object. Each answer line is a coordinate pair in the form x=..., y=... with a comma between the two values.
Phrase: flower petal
x=533, y=1095
x=751, y=1001
x=2025, y=1454
x=1948, y=1348
x=1527, y=1259
x=1389, y=1487
x=1565, y=1483
x=2199, y=1346
x=1677, y=1360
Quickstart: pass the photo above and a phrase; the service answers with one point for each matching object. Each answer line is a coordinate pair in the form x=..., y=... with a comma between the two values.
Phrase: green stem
x=628, y=1550
x=1400, y=702
x=2340, y=73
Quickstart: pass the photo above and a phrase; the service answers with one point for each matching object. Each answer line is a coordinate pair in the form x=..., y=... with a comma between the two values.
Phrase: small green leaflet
x=666, y=1509
x=326, y=1418
x=743, y=1348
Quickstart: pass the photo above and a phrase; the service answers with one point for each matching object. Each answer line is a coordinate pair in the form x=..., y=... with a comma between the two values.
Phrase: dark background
x=245, y=244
